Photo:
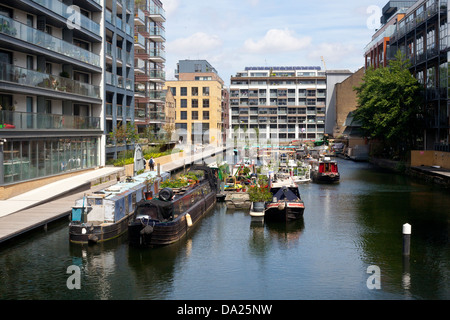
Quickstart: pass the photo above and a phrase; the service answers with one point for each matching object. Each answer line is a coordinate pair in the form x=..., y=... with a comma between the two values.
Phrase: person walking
x=151, y=163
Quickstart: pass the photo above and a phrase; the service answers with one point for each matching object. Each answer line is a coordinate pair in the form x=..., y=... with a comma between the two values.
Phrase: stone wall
x=430, y=158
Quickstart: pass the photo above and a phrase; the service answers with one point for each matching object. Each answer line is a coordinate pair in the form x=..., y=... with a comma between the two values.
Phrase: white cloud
x=197, y=43
x=335, y=54
x=277, y=40
x=170, y=6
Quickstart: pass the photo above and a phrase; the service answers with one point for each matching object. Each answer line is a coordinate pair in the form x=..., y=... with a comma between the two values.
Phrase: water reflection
x=346, y=228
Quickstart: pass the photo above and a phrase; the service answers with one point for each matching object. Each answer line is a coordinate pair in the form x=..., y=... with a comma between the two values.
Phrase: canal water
x=347, y=246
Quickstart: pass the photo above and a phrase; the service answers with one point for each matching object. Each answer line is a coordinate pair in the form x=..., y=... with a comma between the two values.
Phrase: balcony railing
x=139, y=40
x=157, y=32
x=64, y=11
x=25, y=77
x=157, y=74
x=13, y=120
x=41, y=39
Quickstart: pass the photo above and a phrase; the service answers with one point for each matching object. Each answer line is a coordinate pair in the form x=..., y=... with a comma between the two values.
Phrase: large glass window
x=25, y=160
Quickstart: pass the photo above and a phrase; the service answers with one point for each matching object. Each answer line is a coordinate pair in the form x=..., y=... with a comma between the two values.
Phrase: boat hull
x=85, y=233
x=325, y=178
x=151, y=234
x=284, y=211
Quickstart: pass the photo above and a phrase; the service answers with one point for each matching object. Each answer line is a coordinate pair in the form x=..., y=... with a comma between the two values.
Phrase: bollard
x=406, y=239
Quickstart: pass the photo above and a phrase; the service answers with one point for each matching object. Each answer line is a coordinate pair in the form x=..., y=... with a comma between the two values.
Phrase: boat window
x=147, y=211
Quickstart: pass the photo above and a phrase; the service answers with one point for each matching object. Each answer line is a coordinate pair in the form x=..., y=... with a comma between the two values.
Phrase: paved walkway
x=54, y=190
x=42, y=205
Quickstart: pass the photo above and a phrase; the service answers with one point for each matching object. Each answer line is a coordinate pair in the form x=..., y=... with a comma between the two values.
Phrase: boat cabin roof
x=123, y=188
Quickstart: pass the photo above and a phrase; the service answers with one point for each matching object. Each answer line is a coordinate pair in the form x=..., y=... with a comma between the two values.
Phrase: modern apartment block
x=375, y=52
x=119, y=71
x=150, y=57
x=284, y=103
x=422, y=35
x=51, y=92
x=200, y=105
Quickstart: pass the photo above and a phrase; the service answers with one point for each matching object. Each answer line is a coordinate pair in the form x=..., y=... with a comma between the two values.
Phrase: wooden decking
x=26, y=220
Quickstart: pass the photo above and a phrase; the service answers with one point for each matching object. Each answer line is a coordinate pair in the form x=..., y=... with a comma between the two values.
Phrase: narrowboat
x=104, y=215
x=168, y=217
x=325, y=171
x=287, y=204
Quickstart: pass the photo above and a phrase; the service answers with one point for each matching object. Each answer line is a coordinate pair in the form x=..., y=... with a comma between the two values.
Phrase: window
x=205, y=115
x=194, y=103
x=183, y=91
x=419, y=45
x=431, y=78
x=194, y=91
x=173, y=90
x=205, y=103
x=431, y=39
x=30, y=63
x=206, y=91
x=443, y=35
x=194, y=115
x=183, y=115
x=183, y=103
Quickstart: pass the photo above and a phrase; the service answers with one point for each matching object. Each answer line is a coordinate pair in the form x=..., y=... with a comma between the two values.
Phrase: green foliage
x=259, y=194
x=128, y=156
x=389, y=104
x=129, y=133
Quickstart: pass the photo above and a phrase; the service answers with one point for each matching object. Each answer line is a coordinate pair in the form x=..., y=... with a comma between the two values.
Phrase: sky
x=234, y=34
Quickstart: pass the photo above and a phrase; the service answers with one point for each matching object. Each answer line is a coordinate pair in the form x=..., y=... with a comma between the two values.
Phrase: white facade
x=284, y=103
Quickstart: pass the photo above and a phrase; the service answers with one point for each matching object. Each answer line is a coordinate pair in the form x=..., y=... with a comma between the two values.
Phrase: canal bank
x=435, y=175
x=39, y=207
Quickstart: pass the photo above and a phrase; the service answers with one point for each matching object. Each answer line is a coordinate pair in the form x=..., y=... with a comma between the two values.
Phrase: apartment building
x=199, y=103
x=119, y=69
x=150, y=57
x=422, y=35
x=283, y=103
x=51, y=93
x=375, y=51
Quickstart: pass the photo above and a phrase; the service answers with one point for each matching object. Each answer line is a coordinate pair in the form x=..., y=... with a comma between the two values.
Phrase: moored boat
x=325, y=171
x=168, y=217
x=104, y=215
x=287, y=204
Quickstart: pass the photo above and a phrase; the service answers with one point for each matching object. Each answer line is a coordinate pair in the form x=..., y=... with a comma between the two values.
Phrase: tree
x=389, y=105
x=128, y=133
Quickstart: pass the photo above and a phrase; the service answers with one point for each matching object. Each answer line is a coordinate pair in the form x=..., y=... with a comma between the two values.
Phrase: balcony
x=157, y=75
x=159, y=95
x=41, y=39
x=64, y=11
x=13, y=120
x=139, y=17
x=110, y=79
x=139, y=41
x=140, y=89
x=155, y=13
x=34, y=79
x=157, y=55
x=157, y=34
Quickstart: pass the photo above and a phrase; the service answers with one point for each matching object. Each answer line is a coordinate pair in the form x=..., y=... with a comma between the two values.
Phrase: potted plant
x=259, y=196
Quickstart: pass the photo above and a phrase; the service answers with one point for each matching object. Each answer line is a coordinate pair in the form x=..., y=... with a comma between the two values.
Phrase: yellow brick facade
x=198, y=102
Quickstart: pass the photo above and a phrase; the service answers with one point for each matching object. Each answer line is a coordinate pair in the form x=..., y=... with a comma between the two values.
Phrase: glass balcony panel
x=14, y=120
x=66, y=12
x=25, y=77
x=41, y=39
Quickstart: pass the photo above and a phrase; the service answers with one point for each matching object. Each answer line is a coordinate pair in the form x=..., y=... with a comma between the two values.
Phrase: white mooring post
x=406, y=239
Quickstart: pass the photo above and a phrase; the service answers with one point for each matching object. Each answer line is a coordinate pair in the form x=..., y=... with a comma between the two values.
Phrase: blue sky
x=234, y=34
